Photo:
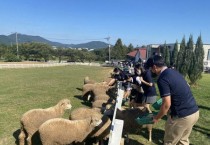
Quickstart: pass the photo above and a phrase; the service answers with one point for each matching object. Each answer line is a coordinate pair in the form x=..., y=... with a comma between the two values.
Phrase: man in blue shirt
x=178, y=103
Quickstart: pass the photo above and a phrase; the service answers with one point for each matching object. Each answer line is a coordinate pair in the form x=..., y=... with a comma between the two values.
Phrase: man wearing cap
x=178, y=103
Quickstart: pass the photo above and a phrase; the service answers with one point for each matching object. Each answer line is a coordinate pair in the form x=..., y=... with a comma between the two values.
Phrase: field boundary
x=32, y=65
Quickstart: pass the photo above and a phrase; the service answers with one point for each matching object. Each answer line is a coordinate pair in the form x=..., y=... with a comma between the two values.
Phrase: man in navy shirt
x=178, y=103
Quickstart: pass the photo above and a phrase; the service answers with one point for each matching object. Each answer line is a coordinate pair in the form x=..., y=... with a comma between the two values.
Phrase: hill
x=22, y=38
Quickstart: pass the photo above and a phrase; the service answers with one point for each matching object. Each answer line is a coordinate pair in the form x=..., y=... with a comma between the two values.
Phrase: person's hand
x=155, y=120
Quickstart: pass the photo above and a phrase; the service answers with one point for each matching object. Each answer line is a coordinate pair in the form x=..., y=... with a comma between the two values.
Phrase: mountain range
x=22, y=38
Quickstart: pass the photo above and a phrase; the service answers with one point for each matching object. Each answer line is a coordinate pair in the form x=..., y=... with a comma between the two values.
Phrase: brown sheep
x=129, y=116
x=88, y=81
x=32, y=119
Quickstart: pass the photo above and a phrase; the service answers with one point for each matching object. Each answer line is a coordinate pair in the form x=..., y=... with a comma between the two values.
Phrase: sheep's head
x=95, y=121
x=65, y=104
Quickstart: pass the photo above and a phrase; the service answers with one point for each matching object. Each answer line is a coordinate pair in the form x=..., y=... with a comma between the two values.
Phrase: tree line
x=44, y=52
x=188, y=60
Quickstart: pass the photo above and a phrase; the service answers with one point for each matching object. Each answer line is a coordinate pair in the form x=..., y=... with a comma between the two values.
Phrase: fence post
x=117, y=124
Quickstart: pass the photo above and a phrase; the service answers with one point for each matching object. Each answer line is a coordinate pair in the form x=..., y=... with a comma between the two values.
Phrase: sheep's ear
x=63, y=103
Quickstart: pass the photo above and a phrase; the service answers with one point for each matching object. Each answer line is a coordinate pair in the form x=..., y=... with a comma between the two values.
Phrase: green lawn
x=25, y=89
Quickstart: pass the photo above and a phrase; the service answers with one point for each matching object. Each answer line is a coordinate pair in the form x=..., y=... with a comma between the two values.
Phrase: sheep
x=87, y=92
x=92, y=90
x=88, y=81
x=129, y=116
x=101, y=132
x=32, y=119
x=83, y=112
x=101, y=104
x=63, y=131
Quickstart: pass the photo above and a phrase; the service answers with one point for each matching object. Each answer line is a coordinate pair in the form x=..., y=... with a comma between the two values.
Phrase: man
x=178, y=103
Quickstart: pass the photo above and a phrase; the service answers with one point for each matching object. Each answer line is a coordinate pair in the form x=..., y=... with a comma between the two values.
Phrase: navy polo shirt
x=171, y=83
x=149, y=91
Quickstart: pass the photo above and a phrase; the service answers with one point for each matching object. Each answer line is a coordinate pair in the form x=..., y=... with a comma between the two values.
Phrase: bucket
x=147, y=119
x=157, y=104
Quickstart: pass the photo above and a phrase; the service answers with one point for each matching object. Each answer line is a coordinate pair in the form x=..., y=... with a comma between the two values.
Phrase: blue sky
x=139, y=22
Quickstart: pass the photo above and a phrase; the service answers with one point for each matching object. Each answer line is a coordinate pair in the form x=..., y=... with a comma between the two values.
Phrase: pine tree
x=181, y=55
x=167, y=56
x=130, y=47
x=174, y=54
x=188, y=55
x=119, y=50
x=163, y=50
x=196, y=67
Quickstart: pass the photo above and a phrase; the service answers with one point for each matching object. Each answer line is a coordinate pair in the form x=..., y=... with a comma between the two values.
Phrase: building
x=138, y=55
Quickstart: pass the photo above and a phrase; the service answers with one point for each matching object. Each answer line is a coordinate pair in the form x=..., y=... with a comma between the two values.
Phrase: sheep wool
x=32, y=119
x=63, y=131
x=100, y=132
x=88, y=81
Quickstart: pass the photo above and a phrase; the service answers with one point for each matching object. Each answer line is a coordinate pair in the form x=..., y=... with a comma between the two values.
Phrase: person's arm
x=164, y=108
x=146, y=83
x=111, y=82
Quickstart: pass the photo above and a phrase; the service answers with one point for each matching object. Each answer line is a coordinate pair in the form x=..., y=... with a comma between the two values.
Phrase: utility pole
x=108, y=38
x=17, y=45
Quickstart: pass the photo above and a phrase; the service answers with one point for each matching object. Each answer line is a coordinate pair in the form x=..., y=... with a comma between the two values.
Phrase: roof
x=142, y=52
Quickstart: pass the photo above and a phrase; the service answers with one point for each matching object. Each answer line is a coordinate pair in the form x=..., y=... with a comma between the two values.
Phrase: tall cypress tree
x=174, y=54
x=196, y=67
x=163, y=50
x=181, y=54
x=167, y=56
x=199, y=51
x=187, y=57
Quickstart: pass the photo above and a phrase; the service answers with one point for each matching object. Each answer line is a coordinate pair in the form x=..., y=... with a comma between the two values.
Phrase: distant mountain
x=22, y=38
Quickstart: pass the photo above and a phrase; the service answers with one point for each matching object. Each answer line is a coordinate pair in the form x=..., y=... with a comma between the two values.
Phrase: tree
x=59, y=52
x=181, y=56
x=163, y=50
x=174, y=54
x=119, y=50
x=130, y=47
x=196, y=66
x=167, y=56
x=187, y=56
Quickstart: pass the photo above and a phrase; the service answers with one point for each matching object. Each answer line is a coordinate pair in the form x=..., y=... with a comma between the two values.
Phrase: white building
x=155, y=48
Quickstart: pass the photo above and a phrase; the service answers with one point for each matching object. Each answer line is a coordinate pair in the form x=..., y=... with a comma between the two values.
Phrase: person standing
x=178, y=103
x=147, y=83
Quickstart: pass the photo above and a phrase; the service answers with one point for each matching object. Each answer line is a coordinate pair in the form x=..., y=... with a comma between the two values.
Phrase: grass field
x=25, y=89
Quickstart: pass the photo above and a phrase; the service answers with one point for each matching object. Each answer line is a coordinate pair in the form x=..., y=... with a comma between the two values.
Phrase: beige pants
x=177, y=130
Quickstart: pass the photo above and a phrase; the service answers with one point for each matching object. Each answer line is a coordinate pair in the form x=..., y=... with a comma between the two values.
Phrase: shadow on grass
x=35, y=139
x=80, y=89
x=86, y=103
x=203, y=130
x=203, y=107
x=157, y=137
x=78, y=97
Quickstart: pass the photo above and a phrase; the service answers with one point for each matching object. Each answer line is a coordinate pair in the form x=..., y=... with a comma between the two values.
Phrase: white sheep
x=32, y=119
x=100, y=132
x=59, y=131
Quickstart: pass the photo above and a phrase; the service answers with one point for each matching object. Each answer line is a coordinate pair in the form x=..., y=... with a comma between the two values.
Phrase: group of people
x=139, y=87
x=178, y=102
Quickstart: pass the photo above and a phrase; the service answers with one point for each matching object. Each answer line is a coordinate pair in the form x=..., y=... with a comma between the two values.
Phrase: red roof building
x=139, y=54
